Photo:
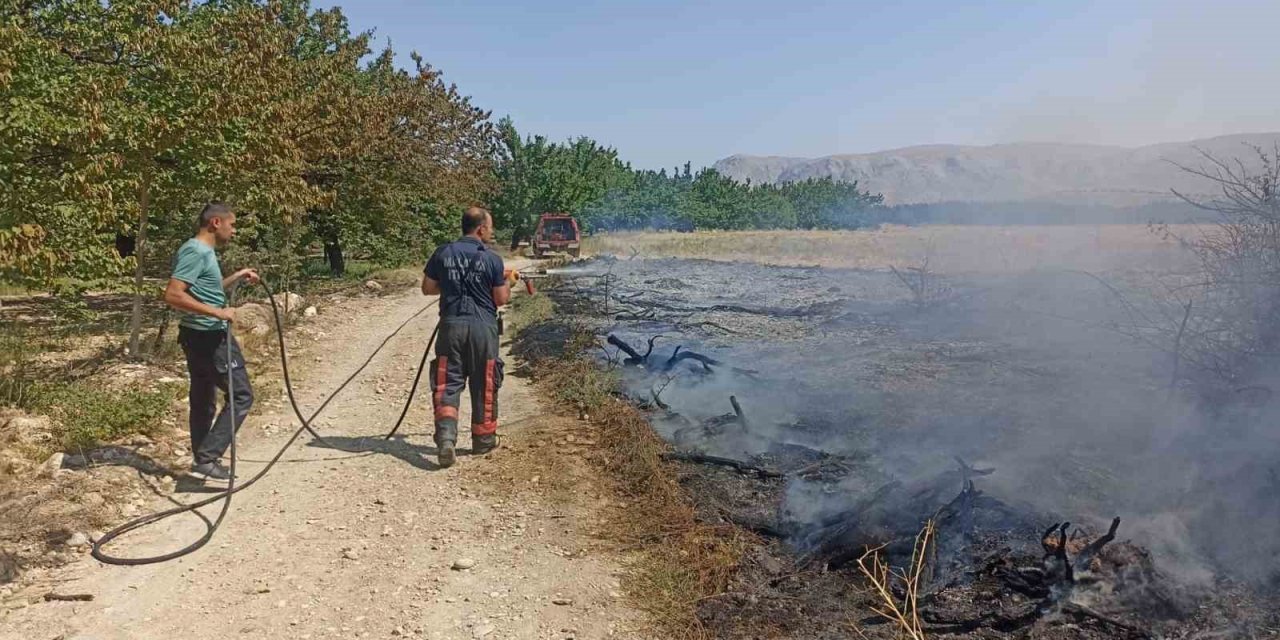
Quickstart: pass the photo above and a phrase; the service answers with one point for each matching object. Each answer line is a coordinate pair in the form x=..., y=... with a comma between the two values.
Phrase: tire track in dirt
x=360, y=541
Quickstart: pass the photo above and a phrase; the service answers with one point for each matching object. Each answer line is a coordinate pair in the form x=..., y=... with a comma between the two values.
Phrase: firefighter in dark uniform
x=471, y=282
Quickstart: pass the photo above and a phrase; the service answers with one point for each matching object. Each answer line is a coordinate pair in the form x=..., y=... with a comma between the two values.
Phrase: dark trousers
x=207, y=365
x=466, y=354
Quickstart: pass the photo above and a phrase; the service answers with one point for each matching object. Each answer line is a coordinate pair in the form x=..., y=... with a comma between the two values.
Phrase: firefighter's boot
x=446, y=435
x=481, y=445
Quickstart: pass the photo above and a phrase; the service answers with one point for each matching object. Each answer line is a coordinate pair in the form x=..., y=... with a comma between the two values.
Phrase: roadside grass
x=400, y=276
x=679, y=561
x=318, y=268
x=527, y=311
x=316, y=280
x=17, y=377
x=86, y=415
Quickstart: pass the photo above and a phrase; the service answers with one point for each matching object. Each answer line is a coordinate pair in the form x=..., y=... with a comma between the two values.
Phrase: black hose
x=232, y=488
x=414, y=389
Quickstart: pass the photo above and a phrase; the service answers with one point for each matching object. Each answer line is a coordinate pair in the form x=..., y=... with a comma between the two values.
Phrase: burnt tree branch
x=702, y=458
x=1086, y=555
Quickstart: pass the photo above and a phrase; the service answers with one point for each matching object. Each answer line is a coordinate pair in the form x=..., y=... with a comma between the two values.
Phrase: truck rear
x=557, y=233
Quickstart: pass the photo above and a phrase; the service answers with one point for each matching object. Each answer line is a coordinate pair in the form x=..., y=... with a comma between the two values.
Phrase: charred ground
x=831, y=410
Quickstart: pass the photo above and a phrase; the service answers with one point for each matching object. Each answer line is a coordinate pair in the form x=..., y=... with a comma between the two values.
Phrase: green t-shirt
x=197, y=265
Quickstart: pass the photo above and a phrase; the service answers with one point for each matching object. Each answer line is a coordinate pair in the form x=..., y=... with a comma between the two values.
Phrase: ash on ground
x=832, y=411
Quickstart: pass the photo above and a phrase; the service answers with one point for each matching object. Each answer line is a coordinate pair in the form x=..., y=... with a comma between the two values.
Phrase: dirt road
x=361, y=541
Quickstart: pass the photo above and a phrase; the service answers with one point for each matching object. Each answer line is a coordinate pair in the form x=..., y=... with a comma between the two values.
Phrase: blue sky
x=665, y=82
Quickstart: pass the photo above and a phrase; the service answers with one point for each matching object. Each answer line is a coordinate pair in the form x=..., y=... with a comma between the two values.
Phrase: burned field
x=1019, y=466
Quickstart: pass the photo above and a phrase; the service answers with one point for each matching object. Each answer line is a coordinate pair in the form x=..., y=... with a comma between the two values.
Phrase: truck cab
x=558, y=233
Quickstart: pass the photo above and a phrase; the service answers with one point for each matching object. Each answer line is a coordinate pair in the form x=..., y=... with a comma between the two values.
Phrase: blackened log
x=680, y=355
x=649, y=351
x=1017, y=618
x=1030, y=584
x=1060, y=553
x=701, y=458
x=754, y=525
x=842, y=531
x=635, y=357
x=1086, y=555
x=1086, y=612
x=1049, y=551
x=856, y=511
x=657, y=399
x=968, y=472
x=819, y=466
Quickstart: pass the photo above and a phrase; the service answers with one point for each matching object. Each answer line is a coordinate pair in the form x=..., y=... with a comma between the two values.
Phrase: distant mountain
x=1018, y=172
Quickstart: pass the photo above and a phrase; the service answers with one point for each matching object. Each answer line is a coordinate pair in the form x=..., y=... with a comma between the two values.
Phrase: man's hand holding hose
x=512, y=276
x=248, y=275
x=228, y=314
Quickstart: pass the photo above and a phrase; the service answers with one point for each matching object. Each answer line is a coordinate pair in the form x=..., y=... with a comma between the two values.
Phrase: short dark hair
x=211, y=211
x=472, y=218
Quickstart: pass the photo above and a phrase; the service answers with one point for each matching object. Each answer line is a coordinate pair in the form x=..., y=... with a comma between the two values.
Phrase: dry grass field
x=948, y=248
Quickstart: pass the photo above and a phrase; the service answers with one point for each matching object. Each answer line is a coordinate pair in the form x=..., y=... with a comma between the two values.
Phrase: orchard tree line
x=589, y=180
x=120, y=119
x=706, y=199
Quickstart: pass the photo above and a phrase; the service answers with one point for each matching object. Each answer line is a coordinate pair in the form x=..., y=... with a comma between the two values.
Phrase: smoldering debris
x=828, y=411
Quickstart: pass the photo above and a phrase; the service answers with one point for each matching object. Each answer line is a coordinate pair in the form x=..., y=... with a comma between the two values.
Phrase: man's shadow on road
x=148, y=470
x=397, y=447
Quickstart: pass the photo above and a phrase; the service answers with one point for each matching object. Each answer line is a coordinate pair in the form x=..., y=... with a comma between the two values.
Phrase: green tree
x=537, y=176
x=122, y=118
x=57, y=204
x=823, y=203
x=708, y=200
x=425, y=151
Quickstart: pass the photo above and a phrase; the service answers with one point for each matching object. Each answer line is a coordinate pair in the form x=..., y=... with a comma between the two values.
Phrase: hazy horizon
x=1030, y=142
x=665, y=82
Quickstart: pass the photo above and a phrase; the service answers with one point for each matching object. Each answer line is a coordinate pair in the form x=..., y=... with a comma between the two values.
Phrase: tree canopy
x=585, y=178
x=123, y=117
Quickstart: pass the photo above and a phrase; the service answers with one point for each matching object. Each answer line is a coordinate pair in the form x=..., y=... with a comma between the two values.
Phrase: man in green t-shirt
x=198, y=290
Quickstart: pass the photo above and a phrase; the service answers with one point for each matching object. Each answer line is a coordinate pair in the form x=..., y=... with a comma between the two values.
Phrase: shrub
x=16, y=375
x=87, y=416
x=1226, y=323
